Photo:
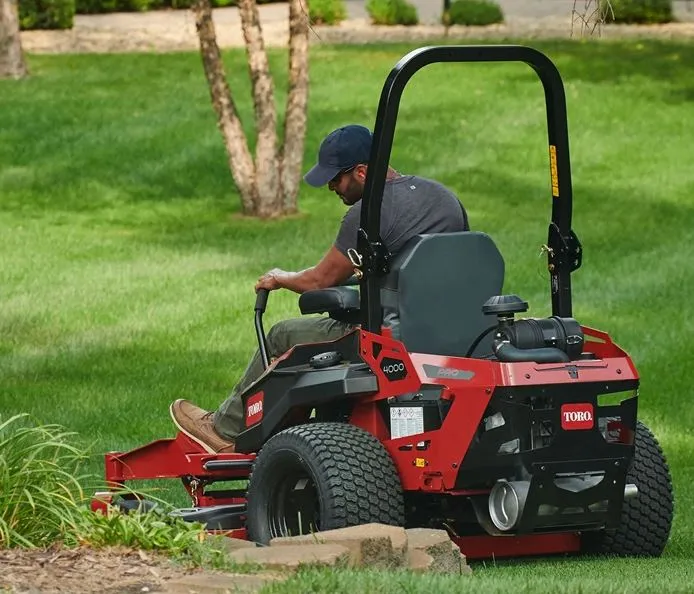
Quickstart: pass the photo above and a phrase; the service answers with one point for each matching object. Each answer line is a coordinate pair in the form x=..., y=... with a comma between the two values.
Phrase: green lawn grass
x=127, y=274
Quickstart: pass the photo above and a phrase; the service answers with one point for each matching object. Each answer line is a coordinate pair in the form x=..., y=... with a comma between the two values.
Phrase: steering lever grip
x=261, y=300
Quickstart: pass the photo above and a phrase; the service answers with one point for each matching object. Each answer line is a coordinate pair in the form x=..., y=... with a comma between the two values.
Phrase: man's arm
x=333, y=269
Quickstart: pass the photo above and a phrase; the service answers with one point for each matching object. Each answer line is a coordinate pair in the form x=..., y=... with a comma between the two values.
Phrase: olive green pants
x=229, y=418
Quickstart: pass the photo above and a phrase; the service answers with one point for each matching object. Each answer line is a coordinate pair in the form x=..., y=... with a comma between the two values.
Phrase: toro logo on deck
x=577, y=416
x=254, y=409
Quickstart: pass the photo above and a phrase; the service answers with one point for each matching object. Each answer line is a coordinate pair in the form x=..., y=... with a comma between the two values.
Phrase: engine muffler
x=506, y=503
x=507, y=498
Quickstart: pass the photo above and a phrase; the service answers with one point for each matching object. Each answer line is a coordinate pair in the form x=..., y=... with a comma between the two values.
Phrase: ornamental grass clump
x=40, y=493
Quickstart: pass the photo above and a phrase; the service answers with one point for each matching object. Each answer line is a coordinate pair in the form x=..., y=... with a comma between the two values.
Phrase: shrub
x=328, y=12
x=638, y=11
x=473, y=13
x=392, y=12
x=96, y=6
x=137, y=5
x=103, y=6
x=46, y=14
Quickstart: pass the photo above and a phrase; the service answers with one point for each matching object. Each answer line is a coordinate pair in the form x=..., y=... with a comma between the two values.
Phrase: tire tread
x=646, y=520
x=357, y=473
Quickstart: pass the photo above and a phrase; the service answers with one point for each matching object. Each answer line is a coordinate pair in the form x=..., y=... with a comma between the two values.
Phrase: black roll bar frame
x=564, y=250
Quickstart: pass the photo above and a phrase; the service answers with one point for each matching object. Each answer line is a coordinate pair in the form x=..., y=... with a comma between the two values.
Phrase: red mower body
x=435, y=454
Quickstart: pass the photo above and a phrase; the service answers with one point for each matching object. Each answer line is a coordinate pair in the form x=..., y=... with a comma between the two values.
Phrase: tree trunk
x=11, y=58
x=240, y=160
x=266, y=156
x=268, y=184
x=297, y=106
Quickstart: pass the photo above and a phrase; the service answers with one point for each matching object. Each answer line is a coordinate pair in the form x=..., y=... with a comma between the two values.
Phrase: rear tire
x=646, y=519
x=320, y=477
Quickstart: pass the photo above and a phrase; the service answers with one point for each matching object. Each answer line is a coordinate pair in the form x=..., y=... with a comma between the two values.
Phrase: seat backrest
x=433, y=295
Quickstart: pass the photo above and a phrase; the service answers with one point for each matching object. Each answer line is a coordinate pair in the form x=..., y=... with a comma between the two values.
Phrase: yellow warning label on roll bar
x=553, y=170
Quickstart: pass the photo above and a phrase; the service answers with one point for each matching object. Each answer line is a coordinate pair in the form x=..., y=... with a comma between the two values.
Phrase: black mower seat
x=433, y=295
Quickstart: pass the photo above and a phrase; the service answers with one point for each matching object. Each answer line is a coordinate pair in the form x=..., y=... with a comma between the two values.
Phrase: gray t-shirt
x=411, y=206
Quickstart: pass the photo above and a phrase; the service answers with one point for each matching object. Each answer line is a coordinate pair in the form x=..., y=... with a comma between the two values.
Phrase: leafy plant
x=473, y=13
x=392, y=12
x=639, y=11
x=154, y=530
x=328, y=12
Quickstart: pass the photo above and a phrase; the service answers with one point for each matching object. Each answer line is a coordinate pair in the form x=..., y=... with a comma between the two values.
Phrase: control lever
x=260, y=305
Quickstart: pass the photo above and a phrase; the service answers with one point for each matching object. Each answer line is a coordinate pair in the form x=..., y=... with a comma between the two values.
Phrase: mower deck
x=181, y=457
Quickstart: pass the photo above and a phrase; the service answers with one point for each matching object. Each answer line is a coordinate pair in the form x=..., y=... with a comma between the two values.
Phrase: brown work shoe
x=198, y=424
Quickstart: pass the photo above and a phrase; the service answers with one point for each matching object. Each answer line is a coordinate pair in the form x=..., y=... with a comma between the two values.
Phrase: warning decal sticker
x=406, y=420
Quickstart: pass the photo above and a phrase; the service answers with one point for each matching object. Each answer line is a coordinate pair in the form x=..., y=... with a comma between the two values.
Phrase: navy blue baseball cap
x=341, y=149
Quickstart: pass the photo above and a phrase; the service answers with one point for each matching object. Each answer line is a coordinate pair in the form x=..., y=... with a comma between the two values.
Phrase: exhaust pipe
x=506, y=503
x=507, y=499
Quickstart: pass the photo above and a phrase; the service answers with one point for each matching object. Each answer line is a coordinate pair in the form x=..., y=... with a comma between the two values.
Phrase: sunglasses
x=336, y=179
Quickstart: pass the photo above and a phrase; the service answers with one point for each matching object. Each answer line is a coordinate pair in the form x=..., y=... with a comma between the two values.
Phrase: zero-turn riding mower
x=443, y=408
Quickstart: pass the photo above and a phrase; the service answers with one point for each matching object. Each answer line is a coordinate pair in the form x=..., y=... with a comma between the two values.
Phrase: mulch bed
x=108, y=570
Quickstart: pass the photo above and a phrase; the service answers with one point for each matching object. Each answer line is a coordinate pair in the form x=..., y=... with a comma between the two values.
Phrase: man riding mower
x=442, y=408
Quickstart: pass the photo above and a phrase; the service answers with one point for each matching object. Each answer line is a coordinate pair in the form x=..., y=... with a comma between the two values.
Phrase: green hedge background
x=59, y=14
x=46, y=14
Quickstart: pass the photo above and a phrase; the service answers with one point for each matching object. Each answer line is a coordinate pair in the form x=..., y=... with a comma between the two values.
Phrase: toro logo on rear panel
x=254, y=409
x=577, y=416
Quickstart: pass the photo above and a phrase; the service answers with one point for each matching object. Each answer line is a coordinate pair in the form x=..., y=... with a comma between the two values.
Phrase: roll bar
x=564, y=250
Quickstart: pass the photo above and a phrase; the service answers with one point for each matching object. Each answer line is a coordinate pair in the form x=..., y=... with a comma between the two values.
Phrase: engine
x=545, y=340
